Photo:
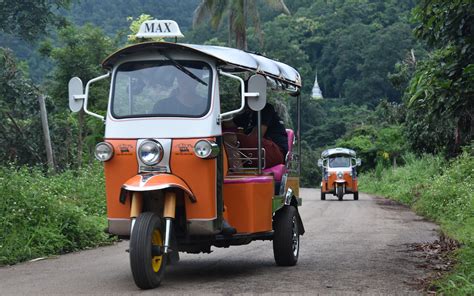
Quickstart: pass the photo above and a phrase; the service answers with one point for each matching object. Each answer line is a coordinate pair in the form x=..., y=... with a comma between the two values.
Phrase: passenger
x=274, y=137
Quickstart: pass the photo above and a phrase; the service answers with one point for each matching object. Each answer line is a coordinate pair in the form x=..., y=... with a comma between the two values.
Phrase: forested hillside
x=353, y=47
x=397, y=79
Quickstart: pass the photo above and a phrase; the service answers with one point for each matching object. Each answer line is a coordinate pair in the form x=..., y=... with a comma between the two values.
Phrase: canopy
x=335, y=151
x=230, y=59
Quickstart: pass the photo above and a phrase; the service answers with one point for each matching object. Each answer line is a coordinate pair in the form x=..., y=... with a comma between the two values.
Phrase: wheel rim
x=156, y=240
x=295, y=238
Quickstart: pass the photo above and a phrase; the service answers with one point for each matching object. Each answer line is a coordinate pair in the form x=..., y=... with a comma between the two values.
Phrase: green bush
x=405, y=183
x=443, y=192
x=43, y=215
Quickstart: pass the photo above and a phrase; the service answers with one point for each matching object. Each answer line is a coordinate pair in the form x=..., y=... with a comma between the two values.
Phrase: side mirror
x=76, y=94
x=320, y=162
x=358, y=162
x=257, y=92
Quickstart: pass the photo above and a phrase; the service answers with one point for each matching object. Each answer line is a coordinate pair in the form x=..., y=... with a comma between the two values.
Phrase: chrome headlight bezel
x=206, y=149
x=103, y=151
x=150, y=145
x=340, y=175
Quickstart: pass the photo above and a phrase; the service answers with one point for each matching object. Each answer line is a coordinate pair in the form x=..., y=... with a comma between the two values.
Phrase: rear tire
x=286, y=238
x=323, y=195
x=356, y=195
x=148, y=269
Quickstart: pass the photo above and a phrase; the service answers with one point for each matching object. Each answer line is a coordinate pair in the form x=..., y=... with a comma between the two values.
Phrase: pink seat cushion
x=247, y=179
x=277, y=171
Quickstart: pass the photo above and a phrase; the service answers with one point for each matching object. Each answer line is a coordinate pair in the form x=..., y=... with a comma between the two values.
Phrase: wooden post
x=47, y=138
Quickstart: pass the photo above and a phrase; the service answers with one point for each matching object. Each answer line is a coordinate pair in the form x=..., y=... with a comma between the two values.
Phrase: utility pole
x=47, y=138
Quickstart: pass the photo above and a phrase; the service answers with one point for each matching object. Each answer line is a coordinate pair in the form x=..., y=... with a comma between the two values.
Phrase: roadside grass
x=44, y=215
x=443, y=192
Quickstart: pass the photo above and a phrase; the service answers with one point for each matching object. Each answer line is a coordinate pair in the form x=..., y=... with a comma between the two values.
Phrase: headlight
x=104, y=151
x=150, y=152
x=340, y=175
x=206, y=149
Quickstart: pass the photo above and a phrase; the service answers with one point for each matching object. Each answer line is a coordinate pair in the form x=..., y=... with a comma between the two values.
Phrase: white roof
x=335, y=151
x=230, y=59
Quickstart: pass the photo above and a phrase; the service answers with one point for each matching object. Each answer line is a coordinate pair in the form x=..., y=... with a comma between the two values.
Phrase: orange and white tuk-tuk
x=168, y=183
x=339, y=172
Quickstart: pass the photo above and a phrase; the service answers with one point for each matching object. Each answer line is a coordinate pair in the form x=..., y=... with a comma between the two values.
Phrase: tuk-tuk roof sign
x=335, y=151
x=230, y=59
x=159, y=28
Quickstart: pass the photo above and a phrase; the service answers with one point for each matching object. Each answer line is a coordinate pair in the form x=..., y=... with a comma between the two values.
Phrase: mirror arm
x=86, y=95
x=252, y=94
x=242, y=91
x=79, y=97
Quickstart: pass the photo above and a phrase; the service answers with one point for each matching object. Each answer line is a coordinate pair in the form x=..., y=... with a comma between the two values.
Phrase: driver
x=185, y=98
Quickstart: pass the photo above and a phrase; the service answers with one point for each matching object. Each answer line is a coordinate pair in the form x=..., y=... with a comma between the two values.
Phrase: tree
x=440, y=97
x=20, y=127
x=79, y=53
x=29, y=18
x=238, y=12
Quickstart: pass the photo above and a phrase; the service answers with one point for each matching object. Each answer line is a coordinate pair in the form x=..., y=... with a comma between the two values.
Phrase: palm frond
x=279, y=5
x=202, y=12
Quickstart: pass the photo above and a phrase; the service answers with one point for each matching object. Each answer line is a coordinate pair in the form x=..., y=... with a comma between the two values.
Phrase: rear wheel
x=147, y=261
x=356, y=195
x=286, y=239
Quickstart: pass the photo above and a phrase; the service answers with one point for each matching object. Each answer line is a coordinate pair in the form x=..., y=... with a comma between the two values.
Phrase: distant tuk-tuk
x=168, y=183
x=339, y=175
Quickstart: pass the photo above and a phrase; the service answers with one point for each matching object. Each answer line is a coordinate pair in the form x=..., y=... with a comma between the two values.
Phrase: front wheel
x=147, y=261
x=286, y=238
x=339, y=192
x=323, y=195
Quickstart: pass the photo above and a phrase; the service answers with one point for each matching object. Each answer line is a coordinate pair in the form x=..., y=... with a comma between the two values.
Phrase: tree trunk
x=240, y=27
x=231, y=28
x=47, y=138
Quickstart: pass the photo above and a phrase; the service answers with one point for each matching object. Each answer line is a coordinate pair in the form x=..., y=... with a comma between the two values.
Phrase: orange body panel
x=351, y=184
x=294, y=184
x=355, y=187
x=225, y=162
x=199, y=174
x=249, y=206
x=118, y=170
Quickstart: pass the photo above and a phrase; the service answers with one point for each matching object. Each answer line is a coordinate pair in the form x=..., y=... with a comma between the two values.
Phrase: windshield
x=340, y=162
x=161, y=88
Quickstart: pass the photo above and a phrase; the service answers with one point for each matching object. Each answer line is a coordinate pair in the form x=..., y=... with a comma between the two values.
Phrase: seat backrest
x=291, y=139
x=280, y=169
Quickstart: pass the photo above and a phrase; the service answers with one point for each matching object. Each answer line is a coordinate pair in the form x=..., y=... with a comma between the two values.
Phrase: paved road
x=349, y=247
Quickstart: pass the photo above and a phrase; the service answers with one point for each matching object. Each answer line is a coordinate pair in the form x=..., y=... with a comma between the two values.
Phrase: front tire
x=286, y=238
x=323, y=195
x=339, y=192
x=146, y=242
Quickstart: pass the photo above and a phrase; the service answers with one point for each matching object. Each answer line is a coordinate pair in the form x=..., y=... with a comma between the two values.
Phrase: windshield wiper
x=183, y=69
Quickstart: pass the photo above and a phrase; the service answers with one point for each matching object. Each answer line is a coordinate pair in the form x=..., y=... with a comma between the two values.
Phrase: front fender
x=149, y=182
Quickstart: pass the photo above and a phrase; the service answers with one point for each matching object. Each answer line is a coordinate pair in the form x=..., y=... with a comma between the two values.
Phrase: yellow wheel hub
x=156, y=240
